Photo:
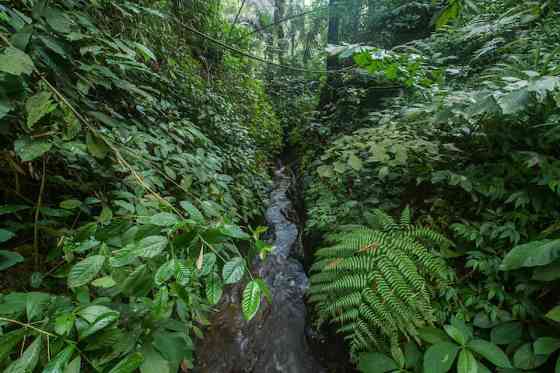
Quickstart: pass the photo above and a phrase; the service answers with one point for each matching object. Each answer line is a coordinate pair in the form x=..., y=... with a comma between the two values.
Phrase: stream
x=275, y=340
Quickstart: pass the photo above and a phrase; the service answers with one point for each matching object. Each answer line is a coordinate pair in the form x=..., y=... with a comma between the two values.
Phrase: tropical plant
x=377, y=282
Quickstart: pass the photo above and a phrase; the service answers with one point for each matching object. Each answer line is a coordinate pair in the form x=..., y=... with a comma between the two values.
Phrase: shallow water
x=275, y=340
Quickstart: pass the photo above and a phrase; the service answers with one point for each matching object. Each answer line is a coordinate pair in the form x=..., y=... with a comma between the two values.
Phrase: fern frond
x=375, y=282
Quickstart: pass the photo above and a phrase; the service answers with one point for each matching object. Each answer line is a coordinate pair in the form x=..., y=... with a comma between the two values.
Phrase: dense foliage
x=129, y=160
x=471, y=147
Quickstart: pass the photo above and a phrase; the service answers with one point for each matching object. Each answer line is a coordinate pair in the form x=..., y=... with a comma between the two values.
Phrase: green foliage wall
x=129, y=159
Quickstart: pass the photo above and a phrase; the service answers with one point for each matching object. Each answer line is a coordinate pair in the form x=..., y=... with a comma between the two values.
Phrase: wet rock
x=275, y=340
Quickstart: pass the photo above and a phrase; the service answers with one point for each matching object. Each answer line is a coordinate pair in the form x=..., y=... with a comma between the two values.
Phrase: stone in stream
x=274, y=341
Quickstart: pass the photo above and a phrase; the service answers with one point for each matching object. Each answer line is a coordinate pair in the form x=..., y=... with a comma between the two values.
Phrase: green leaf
x=63, y=323
x=28, y=361
x=60, y=360
x=208, y=263
x=325, y=171
x=129, y=364
x=506, y=333
x=9, y=259
x=106, y=215
x=440, y=357
x=151, y=246
x=164, y=219
x=10, y=340
x=490, y=352
x=214, y=289
x=96, y=146
x=525, y=358
x=10, y=209
x=265, y=289
x=456, y=334
x=104, y=282
x=233, y=270
x=100, y=323
x=14, y=61
x=154, y=362
x=85, y=271
x=29, y=150
x=92, y=313
x=36, y=305
x=467, y=363
x=70, y=204
x=165, y=272
x=375, y=362
x=58, y=20
x=183, y=274
x=554, y=314
x=532, y=254
x=146, y=52
x=355, y=162
x=251, y=300
x=37, y=106
x=546, y=345
x=6, y=235
x=515, y=101
x=234, y=231
x=74, y=366
x=194, y=213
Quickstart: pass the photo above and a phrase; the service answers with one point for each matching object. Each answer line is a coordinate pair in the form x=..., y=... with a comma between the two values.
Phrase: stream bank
x=275, y=341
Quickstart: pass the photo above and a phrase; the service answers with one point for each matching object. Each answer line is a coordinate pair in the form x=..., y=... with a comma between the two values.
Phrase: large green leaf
x=10, y=340
x=532, y=254
x=375, y=362
x=129, y=364
x=152, y=246
x=233, y=270
x=85, y=271
x=96, y=146
x=546, y=345
x=165, y=272
x=214, y=288
x=164, y=219
x=183, y=273
x=467, y=362
x=37, y=106
x=6, y=235
x=194, y=213
x=154, y=362
x=251, y=300
x=440, y=357
x=28, y=361
x=60, y=360
x=100, y=323
x=36, y=305
x=507, y=333
x=74, y=366
x=14, y=61
x=9, y=259
x=28, y=149
x=554, y=314
x=490, y=352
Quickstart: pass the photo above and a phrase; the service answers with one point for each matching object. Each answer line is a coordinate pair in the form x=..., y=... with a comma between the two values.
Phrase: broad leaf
x=233, y=270
x=165, y=272
x=60, y=360
x=440, y=357
x=38, y=106
x=375, y=362
x=164, y=219
x=467, y=363
x=14, y=61
x=9, y=259
x=36, y=305
x=28, y=361
x=9, y=340
x=6, y=235
x=194, y=213
x=74, y=366
x=129, y=364
x=546, y=345
x=29, y=150
x=151, y=246
x=490, y=352
x=85, y=271
x=251, y=300
x=214, y=288
x=532, y=254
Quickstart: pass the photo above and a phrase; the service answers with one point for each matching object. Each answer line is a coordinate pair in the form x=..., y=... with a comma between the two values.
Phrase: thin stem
x=37, y=215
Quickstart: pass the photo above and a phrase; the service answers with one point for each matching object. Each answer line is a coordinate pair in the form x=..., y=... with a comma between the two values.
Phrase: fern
x=375, y=282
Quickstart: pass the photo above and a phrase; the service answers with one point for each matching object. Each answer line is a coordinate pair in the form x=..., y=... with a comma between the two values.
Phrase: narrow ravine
x=275, y=340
